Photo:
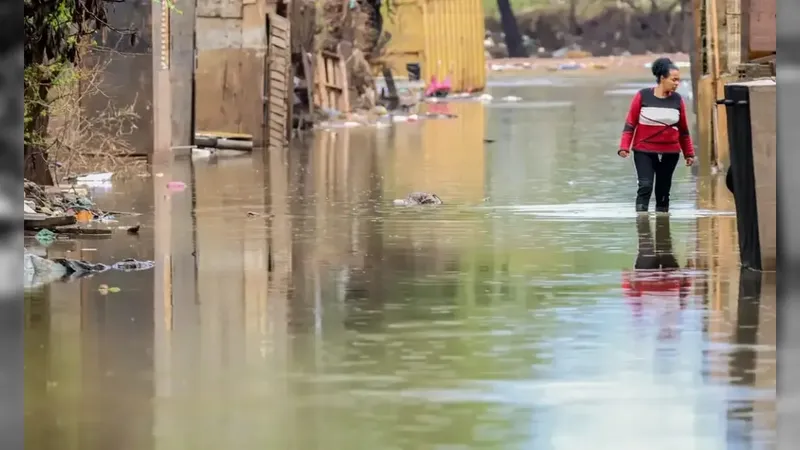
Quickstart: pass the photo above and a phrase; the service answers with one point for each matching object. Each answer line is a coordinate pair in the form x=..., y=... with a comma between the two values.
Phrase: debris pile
x=59, y=210
x=658, y=27
x=55, y=202
x=39, y=270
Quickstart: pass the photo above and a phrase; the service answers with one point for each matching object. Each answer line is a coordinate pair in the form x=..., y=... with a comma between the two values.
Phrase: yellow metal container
x=443, y=36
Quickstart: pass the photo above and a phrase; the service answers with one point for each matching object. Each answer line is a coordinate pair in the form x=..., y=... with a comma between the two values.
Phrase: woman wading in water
x=657, y=131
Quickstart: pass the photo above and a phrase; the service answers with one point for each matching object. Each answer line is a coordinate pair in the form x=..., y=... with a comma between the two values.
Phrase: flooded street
x=508, y=318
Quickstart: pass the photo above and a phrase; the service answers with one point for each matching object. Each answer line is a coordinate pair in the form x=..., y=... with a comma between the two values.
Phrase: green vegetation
x=56, y=31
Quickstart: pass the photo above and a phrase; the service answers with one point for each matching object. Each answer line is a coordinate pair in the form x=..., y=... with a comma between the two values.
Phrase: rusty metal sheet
x=444, y=36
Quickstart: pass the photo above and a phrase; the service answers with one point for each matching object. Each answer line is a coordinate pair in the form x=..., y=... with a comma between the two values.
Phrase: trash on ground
x=45, y=237
x=84, y=216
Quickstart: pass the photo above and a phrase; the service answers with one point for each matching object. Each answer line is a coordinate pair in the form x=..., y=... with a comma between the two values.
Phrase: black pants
x=655, y=254
x=654, y=169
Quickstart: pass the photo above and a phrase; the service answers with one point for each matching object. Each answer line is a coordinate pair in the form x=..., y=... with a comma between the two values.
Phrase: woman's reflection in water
x=657, y=282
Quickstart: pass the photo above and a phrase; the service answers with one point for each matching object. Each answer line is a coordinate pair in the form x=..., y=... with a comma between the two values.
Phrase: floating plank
x=41, y=221
x=225, y=135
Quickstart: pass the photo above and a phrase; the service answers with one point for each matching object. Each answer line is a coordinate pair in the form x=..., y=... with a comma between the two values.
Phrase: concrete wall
x=763, y=118
x=231, y=52
x=182, y=61
x=128, y=77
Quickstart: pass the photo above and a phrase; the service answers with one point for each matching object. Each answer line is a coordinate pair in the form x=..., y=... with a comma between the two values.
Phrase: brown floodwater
x=293, y=307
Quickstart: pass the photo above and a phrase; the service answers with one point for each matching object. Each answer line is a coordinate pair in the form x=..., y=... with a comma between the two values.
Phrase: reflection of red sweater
x=660, y=283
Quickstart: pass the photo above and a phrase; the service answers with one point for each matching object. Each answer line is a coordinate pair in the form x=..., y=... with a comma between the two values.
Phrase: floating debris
x=45, y=237
x=105, y=289
x=39, y=270
x=100, y=177
x=418, y=198
x=176, y=186
x=84, y=216
x=52, y=207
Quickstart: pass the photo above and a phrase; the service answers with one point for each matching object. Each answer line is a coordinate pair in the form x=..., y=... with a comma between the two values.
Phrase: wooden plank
x=320, y=96
x=279, y=43
x=290, y=105
x=226, y=135
x=280, y=27
x=40, y=221
x=704, y=138
x=278, y=120
x=310, y=76
x=697, y=50
x=344, y=100
x=230, y=87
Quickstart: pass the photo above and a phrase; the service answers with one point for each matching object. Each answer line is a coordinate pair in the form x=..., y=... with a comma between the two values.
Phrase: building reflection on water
x=215, y=350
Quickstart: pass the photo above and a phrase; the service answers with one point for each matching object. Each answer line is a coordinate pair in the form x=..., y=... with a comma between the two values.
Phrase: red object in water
x=437, y=89
x=655, y=282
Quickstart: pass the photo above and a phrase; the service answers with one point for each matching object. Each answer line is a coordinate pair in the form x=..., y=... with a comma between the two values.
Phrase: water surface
x=497, y=321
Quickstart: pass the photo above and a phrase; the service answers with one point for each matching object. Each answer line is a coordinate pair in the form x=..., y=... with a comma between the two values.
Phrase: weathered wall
x=759, y=21
x=231, y=52
x=128, y=77
x=764, y=132
x=181, y=55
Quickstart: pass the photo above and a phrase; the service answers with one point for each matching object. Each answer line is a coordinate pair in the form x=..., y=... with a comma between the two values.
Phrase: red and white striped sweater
x=657, y=125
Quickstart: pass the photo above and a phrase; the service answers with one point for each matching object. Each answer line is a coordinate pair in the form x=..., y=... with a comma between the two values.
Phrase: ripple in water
x=605, y=211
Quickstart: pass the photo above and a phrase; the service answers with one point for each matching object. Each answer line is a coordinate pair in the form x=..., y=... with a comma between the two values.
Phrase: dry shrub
x=80, y=141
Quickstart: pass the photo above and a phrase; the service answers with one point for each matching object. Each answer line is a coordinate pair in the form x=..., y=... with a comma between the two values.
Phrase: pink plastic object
x=446, y=84
x=176, y=186
x=432, y=87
